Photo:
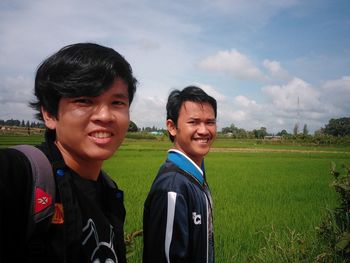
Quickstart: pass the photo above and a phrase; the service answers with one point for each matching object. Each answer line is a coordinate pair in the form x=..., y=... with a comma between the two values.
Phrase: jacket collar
x=185, y=163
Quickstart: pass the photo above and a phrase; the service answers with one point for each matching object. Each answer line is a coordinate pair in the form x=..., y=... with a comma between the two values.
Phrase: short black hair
x=82, y=69
x=190, y=93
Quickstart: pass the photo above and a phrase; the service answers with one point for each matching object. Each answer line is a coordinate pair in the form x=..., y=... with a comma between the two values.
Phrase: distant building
x=156, y=133
x=229, y=134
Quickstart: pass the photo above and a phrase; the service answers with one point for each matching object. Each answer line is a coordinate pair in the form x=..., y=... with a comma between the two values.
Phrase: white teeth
x=202, y=139
x=101, y=135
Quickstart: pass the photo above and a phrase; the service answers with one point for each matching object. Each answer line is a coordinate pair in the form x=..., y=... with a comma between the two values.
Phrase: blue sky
x=257, y=58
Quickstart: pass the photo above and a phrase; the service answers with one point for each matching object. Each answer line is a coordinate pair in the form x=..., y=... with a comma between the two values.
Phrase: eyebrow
x=120, y=96
x=208, y=119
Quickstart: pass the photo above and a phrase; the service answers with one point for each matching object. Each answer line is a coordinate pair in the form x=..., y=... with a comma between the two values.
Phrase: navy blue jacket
x=177, y=220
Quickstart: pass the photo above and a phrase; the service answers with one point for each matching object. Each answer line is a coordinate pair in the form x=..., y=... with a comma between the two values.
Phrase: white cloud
x=298, y=101
x=225, y=118
x=294, y=102
x=275, y=69
x=243, y=101
x=212, y=92
x=234, y=63
x=238, y=115
x=16, y=89
x=16, y=92
x=337, y=94
x=148, y=111
x=295, y=95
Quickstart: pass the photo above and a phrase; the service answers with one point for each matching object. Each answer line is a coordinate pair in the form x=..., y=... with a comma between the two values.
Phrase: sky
x=268, y=63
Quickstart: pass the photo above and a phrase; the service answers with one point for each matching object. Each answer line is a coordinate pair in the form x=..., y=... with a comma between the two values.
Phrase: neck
x=85, y=168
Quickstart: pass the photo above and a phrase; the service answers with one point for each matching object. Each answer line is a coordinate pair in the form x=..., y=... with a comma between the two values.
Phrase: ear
x=50, y=121
x=171, y=127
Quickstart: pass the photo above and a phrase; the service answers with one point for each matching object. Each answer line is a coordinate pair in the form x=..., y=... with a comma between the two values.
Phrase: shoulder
x=170, y=178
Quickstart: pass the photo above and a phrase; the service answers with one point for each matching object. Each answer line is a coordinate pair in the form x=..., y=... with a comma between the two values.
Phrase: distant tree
x=319, y=132
x=305, y=130
x=283, y=133
x=13, y=122
x=23, y=123
x=226, y=130
x=296, y=129
x=28, y=127
x=235, y=131
x=264, y=130
x=132, y=127
x=338, y=127
x=261, y=133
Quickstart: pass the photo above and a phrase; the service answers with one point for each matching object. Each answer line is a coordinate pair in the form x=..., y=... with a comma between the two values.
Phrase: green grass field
x=267, y=197
x=258, y=191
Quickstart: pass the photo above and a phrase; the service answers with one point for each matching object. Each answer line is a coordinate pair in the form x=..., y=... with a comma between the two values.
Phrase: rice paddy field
x=264, y=195
x=268, y=197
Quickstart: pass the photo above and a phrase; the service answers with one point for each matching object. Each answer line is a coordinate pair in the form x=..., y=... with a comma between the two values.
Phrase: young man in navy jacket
x=83, y=94
x=178, y=218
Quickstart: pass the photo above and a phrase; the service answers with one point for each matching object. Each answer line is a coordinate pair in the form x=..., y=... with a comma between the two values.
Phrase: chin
x=102, y=155
x=204, y=150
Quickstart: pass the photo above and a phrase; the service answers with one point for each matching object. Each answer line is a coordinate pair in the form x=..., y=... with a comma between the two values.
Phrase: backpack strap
x=43, y=194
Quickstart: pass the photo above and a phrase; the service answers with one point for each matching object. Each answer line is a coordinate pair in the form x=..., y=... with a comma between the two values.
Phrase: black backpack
x=43, y=196
x=43, y=193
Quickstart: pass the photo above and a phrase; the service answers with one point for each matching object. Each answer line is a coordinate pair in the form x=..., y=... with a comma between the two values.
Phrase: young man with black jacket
x=83, y=93
x=178, y=219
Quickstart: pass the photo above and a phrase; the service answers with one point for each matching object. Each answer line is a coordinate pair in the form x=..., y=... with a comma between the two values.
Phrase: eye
x=120, y=103
x=211, y=122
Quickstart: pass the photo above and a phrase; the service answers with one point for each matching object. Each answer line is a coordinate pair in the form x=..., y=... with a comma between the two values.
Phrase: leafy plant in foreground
x=288, y=246
x=129, y=240
x=334, y=231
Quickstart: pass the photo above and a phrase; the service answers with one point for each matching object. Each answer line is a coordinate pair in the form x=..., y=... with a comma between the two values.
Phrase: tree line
x=24, y=124
x=336, y=127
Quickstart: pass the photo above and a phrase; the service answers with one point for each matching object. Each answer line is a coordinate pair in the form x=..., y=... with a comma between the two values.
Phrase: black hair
x=82, y=69
x=177, y=98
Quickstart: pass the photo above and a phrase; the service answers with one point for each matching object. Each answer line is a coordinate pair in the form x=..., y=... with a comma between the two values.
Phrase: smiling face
x=90, y=129
x=195, y=131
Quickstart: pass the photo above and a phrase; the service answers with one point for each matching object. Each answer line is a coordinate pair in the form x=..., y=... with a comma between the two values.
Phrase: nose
x=103, y=113
x=202, y=128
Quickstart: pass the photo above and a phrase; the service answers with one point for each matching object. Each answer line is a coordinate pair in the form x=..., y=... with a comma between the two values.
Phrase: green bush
x=334, y=231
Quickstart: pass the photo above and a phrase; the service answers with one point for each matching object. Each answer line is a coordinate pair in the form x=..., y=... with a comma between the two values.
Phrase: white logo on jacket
x=197, y=219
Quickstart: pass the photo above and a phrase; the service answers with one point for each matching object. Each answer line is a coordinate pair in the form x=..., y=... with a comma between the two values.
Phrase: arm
x=166, y=225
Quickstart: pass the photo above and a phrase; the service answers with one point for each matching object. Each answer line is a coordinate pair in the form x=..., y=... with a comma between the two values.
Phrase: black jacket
x=93, y=222
x=177, y=222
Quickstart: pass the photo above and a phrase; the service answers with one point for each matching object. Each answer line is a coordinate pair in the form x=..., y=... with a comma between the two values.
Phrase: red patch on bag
x=42, y=200
x=58, y=217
